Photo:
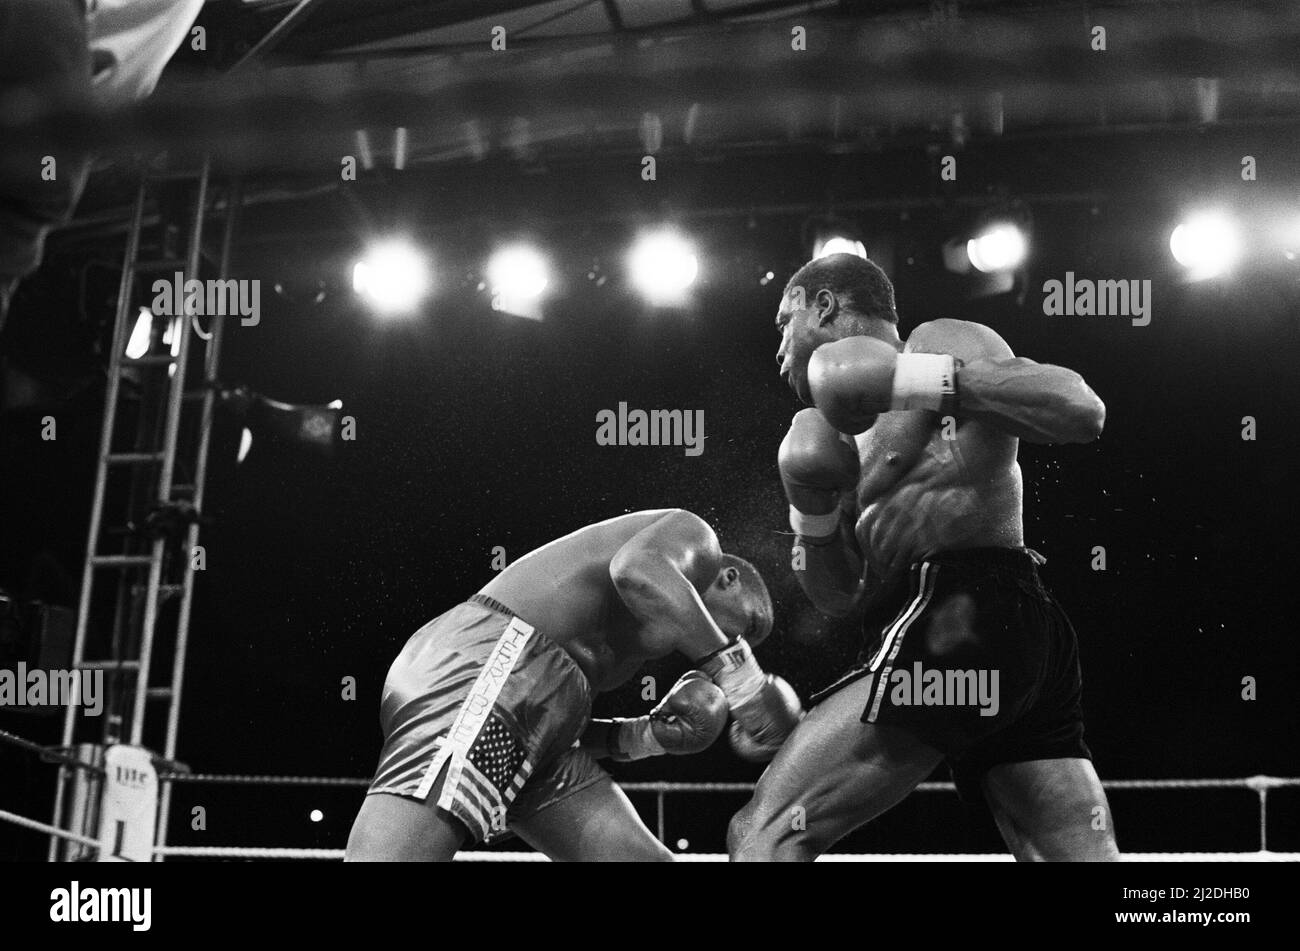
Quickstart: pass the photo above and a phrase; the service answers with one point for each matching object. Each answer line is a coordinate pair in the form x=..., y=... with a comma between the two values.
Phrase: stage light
x=838, y=244
x=1207, y=244
x=138, y=345
x=316, y=815
x=517, y=276
x=312, y=426
x=1001, y=247
x=392, y=277
x=663, y=266
x=1286, y=235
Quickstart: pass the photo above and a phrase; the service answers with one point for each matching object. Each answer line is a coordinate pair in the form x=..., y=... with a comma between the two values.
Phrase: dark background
x=477, y=429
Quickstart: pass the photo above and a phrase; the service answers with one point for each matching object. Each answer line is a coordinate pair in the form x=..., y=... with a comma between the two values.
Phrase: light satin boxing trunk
x=482, y=712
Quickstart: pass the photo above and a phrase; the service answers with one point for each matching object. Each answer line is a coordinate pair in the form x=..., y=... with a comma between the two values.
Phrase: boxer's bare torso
x=927, y=486
x=565, y=589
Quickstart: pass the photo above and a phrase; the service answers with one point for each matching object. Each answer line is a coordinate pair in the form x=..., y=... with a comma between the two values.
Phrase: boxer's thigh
x=1052, y=810
x=833, y=774
x=595, y=824
x=392, y=828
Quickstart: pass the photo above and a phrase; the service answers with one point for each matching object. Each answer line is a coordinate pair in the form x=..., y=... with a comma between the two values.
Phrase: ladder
x=149, y=553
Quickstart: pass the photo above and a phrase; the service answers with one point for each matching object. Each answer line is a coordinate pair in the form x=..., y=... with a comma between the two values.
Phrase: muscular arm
x=659, y=572
x=1036, y=402
x=851, y=381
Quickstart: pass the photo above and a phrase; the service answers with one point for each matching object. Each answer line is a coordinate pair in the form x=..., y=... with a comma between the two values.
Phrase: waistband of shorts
x=492, y=604
x=1019, y=561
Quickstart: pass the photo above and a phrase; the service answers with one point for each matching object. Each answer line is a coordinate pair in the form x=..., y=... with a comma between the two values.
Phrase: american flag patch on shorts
x=495, y=769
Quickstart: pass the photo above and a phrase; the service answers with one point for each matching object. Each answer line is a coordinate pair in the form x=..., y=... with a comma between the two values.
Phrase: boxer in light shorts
x=486, y=711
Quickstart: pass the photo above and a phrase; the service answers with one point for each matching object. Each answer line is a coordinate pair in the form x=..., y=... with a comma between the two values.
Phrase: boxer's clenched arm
x=1036, y=402
x=856, y=378
x=657, y=571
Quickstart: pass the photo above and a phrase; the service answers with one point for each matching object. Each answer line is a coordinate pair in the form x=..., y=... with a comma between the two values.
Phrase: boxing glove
x=688, y=719
x=817, y=465
x=758, y=751
x=763, y=704
x=853, y=379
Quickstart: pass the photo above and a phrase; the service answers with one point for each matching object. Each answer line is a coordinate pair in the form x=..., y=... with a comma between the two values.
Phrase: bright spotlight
x=999, y=248
x=138, y=345
x=663, y=267
x=316, y=815
x=839, y=245
x=392, y=277
x=1287, y=236
x=1207, y=244
x=517, y=277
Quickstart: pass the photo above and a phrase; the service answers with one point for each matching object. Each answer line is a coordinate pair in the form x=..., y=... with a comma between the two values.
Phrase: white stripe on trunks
x=929, y=572
x=474, y=711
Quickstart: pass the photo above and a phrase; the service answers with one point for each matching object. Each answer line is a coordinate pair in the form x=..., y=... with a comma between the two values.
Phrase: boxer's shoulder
x=963, y=339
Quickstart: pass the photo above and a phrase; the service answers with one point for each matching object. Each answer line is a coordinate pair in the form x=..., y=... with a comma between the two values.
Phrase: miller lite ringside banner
x=130, y=805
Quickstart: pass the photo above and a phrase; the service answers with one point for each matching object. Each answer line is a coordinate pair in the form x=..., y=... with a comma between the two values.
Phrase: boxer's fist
x=816, y=463
x=853, y=379
x=769, y=716
x=691, y=716
x=765, y=706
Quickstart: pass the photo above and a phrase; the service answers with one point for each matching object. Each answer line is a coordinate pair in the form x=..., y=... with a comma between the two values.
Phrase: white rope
x=335, y=854
x=237, y=779
x=238, y=852
x=1259, y=784
x=51, y=830
x=1238, y=782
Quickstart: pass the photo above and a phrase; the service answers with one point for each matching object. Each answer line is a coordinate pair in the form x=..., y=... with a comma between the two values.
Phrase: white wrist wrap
x=814, y=526
x=636, y=738
x=922, y=380
x=737, y=672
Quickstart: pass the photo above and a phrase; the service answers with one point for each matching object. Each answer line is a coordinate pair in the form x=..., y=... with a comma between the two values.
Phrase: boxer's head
x=739, y=602
x=829, y=298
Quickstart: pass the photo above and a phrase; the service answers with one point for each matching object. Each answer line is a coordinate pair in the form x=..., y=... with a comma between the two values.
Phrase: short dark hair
x=858, y=279
x=756, y=590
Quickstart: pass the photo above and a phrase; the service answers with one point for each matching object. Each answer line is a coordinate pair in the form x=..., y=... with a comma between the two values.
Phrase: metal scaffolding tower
x=151, y=471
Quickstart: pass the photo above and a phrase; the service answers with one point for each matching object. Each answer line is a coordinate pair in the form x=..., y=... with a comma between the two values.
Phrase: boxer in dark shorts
x=981, y=619
x=486, y=711
x=906, y=502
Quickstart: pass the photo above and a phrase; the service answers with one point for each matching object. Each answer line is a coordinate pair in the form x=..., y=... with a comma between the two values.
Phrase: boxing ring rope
x=35, y=826
x=661, y=790
x=48, y=754
x=218, y=852
x=1260, y=784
